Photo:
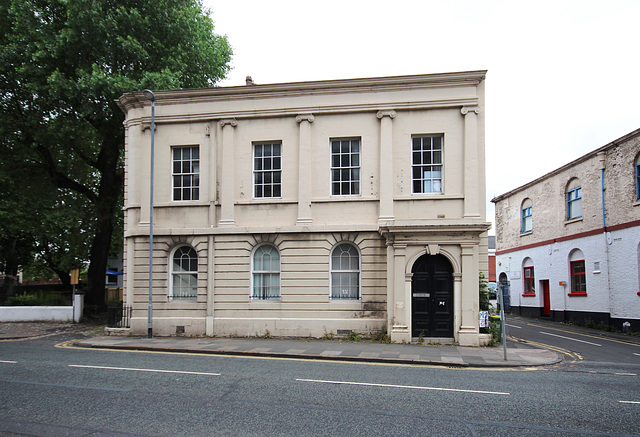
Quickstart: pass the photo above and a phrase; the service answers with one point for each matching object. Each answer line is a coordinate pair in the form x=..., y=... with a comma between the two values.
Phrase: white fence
x=44, y=313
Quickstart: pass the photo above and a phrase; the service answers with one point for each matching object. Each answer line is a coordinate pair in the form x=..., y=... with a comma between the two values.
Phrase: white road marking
x=404, y=386
x=514, y=326
x=636, y=354
x=569, y=338
x=625, y=374
x=145, y=370
x=629, y=402
x=9, y=362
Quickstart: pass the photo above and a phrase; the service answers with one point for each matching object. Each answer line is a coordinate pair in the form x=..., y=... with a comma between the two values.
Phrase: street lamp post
x=149, y=96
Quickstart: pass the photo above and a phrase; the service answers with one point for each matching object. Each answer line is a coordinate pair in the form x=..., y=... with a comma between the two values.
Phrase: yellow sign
x=74, y=276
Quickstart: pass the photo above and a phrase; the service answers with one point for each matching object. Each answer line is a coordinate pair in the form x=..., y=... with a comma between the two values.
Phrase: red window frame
x=578, y=278
x=529, y=282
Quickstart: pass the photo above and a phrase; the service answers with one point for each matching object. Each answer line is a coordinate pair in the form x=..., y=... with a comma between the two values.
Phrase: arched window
x=578, y=272
x=527, y=217
x=574, y=199
x=345, y=272
x=529, y=278
x=266, y=273
x=184, y=273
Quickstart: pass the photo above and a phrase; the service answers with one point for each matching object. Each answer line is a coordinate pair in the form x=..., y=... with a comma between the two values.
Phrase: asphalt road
x=49, y=390
x=583, y=349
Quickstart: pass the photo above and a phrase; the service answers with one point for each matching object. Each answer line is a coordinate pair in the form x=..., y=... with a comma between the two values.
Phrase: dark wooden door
x=432, y=297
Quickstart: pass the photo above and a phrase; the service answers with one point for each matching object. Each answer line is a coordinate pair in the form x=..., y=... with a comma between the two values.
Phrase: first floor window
x=345, y=167
x=266, y=273
x=578, y=277
x=574, y=203
x=526, y=219
x=184, y=273
x=186, y=173
x=345, y=272
x=529, y=281
x=426, y=164
x=267, y=170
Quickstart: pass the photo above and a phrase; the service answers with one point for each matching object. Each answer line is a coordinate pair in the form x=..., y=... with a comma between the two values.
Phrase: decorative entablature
x=291, y=99
x=425, y=233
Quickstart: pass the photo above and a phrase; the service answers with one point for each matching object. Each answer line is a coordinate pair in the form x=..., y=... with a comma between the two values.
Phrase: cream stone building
x=302, y=209
x=568, y=243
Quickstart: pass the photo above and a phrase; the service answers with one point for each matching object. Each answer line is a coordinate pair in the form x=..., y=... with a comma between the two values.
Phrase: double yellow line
x=574, y=356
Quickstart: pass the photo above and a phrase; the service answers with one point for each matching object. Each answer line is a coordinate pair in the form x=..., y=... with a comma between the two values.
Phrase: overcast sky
x=563, y=76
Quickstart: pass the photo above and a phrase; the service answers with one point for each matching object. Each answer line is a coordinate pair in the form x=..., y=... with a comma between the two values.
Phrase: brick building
x=568, y=243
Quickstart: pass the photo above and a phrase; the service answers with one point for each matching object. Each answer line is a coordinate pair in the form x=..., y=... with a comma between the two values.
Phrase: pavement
x=518, y=355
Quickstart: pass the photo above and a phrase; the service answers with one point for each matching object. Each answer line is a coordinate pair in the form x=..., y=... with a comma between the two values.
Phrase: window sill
x=574, y=220
x=577, y=293
x=522, y=234
x=528, y=294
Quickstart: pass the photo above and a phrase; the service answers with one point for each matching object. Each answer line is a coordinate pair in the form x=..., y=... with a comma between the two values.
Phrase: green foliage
x=421, y=338
x=63, y=65
x=328, y=336
x=354, y=336
x=382, y=336
x=483, y=288
x=39, y=298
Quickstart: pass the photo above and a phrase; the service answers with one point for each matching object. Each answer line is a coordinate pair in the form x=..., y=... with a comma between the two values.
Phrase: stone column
x=472, y=186
x=211, y=147
x=227, y=177
x=211, y=265
x=469, y=325
x=402, y=295
x=304, y=169
x=385, y=179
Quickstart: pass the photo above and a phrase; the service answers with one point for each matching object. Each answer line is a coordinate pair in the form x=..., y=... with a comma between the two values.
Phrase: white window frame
x=173, y=274
x=333, y=270
x=192, y=175
x=346, y=173
x=574, y=200
x=264, y=273
x=527, y=220
x=273, y=172
x=435, y=158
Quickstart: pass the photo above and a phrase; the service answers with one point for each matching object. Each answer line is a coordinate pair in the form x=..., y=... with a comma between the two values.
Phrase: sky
x=563, y=76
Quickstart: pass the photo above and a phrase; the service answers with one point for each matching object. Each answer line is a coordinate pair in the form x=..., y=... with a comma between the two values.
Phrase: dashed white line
x=629, y=402
x=569, y=338
x=514, y=326
x=132, y=369
x=414, y=387
x=625, y=374
x=8, y=362
x=636, y=354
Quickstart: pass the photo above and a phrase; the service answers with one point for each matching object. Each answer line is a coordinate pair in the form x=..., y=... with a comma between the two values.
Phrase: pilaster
x=227, y=173
x=304, y=169
x=400, y=330
x=472, y=186
x=469, y=325
x=386, y=166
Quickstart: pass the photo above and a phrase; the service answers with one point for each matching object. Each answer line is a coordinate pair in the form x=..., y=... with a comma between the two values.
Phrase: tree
x=63, y=63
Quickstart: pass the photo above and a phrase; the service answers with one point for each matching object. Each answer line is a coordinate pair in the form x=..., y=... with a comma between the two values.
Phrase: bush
x=38, y=299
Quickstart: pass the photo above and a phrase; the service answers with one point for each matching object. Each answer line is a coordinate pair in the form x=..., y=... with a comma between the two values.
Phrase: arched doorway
x=432, y=297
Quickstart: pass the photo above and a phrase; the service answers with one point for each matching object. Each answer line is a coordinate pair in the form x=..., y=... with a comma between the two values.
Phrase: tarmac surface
x=92, y=336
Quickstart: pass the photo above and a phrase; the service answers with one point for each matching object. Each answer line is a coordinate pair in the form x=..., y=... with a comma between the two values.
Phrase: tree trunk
x=107, y=204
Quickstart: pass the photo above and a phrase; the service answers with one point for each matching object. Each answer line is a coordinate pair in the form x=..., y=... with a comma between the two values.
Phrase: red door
x=546, y=306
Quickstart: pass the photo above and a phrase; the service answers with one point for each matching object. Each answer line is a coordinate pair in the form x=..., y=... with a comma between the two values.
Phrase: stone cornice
x=377, y=84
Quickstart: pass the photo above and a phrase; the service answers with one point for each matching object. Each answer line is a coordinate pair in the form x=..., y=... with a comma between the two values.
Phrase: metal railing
x=119, y=316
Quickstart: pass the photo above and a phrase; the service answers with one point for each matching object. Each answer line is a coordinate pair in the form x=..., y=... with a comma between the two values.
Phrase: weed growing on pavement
x=328, y=335
x=382, y=336
x=354, y=336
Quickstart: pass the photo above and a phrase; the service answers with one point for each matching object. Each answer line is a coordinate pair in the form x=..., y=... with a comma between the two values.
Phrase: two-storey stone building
x=568, y=243
x=310, y=208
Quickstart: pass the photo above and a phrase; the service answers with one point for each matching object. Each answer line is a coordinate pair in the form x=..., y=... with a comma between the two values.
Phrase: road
x=584, y=349
x=48, y=388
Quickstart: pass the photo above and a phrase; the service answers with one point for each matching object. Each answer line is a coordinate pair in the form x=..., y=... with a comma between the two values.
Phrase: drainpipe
x=602, y=165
